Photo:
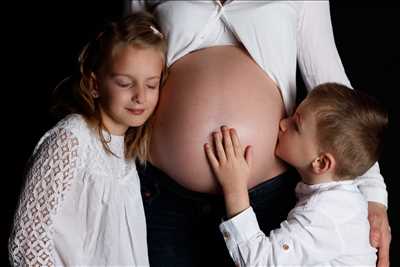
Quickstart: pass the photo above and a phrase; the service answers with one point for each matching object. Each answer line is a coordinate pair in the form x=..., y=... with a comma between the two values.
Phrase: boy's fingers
x=249, y=156
x=211, y=156
x=227, y=143
x=218, y=147
x=236, y=143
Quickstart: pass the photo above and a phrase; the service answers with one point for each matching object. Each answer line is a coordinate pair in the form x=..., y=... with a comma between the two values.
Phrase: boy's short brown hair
x=350, y=125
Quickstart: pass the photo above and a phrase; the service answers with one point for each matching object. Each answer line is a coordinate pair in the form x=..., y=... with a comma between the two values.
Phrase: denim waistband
x=150, y=175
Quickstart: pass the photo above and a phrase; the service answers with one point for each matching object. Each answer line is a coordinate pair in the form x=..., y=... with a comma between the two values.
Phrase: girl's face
x=128, y=87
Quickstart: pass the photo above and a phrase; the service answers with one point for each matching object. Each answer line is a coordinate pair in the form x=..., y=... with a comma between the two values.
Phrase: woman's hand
x=380, y=235
x=231, y=165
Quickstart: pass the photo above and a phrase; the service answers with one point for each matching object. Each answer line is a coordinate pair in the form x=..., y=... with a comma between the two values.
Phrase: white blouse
x=328, y=227
x=80, y=205
x=277, y=35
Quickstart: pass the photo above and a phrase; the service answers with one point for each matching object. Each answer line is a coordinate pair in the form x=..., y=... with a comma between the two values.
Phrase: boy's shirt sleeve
x=297, y=241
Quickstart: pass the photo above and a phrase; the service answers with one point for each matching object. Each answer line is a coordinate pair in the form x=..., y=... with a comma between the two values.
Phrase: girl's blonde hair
x=139, y=30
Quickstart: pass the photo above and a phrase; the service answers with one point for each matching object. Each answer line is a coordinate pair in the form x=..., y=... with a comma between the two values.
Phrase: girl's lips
x=135, y=111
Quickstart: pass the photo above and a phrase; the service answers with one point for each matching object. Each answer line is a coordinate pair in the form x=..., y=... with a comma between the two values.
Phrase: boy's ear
x=323, y=163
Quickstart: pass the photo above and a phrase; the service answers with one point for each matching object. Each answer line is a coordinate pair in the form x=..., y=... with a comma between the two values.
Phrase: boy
x=334, y=136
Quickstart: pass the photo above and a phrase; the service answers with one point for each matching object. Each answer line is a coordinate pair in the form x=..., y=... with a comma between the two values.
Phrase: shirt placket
x=218, y=12
x=222, y=16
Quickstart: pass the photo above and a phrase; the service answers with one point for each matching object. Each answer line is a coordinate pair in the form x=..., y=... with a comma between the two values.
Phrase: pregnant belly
x=204, y=90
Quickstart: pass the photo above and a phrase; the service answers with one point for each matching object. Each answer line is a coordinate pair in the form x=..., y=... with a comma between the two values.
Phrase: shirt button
x=226, y=235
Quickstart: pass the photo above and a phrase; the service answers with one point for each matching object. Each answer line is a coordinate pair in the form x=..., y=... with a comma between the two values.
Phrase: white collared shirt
x=328, y=227
x=277, y=35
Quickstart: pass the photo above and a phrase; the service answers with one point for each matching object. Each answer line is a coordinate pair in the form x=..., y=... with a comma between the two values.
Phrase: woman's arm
x=317, y=55
x=319, y=62
x=49, y=176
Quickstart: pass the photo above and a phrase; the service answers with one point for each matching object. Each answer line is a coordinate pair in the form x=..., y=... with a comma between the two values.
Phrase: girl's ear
x=95, y=86
x=323, y=163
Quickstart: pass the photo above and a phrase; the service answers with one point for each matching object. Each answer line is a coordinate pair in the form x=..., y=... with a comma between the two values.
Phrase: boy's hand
x=231, y=165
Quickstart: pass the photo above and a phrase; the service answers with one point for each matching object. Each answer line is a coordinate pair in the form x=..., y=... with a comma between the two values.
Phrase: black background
x=41, y=43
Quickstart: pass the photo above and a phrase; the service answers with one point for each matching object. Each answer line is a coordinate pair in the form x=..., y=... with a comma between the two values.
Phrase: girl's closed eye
x=124, y=82
x=152, y=86
x=153, y=82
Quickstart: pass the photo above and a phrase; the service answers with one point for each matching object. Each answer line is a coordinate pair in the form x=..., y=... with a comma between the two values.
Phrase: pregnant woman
x=233, y=63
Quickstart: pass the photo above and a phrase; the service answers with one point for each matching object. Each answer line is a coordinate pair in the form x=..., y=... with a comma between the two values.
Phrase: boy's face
x=297, y=140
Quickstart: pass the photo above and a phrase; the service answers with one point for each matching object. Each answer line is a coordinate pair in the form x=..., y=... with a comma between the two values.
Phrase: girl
x=81, y=204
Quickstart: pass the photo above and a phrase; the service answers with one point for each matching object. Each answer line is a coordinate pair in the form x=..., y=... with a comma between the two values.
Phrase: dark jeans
x=182, y=225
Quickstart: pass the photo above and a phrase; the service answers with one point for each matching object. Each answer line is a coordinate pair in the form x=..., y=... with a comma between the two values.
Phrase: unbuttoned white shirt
x=276, y=34
x=327, y=227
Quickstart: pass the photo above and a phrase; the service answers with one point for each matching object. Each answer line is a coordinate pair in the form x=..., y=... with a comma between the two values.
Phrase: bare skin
x=380, y=234
x=205, y=89
x=232, y=166
x=202, y=88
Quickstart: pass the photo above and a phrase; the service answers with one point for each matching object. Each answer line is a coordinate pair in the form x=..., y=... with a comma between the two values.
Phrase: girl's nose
x=283, y=125
x=139, y=95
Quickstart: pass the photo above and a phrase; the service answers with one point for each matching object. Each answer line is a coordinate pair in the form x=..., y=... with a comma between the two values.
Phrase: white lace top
x=80, y=205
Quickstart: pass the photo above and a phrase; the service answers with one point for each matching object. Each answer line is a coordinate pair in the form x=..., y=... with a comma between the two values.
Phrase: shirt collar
x=306, y=189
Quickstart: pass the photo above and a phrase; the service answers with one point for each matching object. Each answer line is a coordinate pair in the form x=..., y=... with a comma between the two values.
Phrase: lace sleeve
x=49, y=176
